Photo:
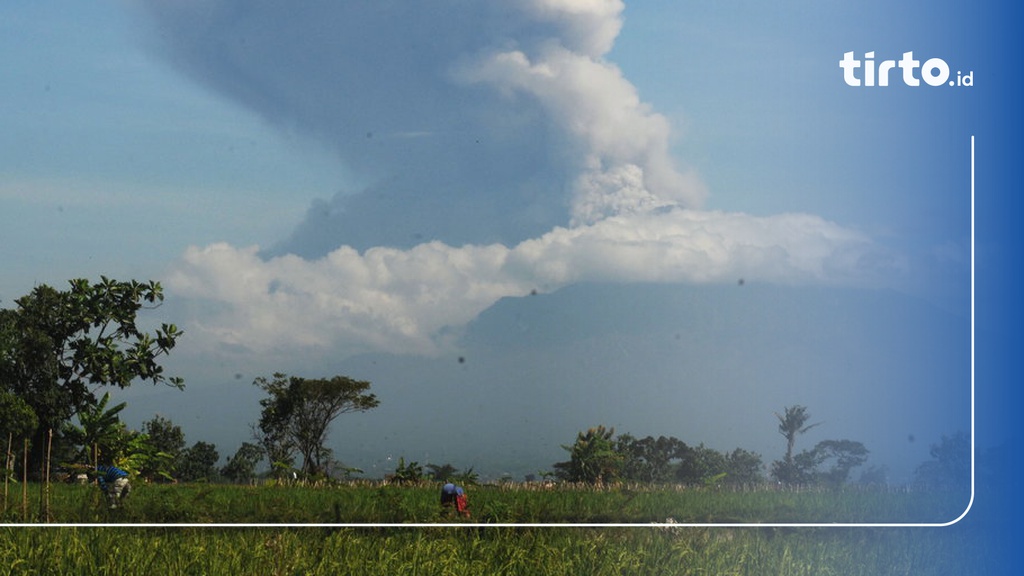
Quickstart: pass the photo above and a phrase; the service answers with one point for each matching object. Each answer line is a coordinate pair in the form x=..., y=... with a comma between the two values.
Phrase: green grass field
x=479, y=548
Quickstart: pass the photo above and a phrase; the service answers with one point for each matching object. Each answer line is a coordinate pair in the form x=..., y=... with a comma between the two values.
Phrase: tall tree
x=299, y=411
x=651, y=459
x=441, y=472
x=67, y=343
x=950, y=466
x=242, y=466
x=17, y=419
x=702, y=465
x=743, y=468
x=843, y=455
x=198, y=462
x=792, y=423
x=593, y=458
x=165, y=435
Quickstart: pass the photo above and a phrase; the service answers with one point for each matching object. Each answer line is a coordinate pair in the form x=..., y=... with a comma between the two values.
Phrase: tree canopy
x=57, y=347
x=593, y=458
x=298, y=412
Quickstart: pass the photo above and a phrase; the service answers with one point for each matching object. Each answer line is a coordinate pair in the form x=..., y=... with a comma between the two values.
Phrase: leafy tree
x=792, y=423
x=58, y=346
x=242, y=466
x=807, y=466
x=298, y=412
x=843, y=455
x=140, y=457
x=441, y=472
x=410, y=473
x=165, y=435
x=743, y=468
x=466, y=477
x=17, y=419
x=276, y=445
x=702, y=465
x=950, y=466
x=198, y=462
x=650, y=459
x=592, y=458
x=99, y=432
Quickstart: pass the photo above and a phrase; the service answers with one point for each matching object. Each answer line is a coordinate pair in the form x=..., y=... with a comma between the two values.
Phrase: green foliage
x=497, y=551
x=466, y=477
x=17, y=419
x=197, y=463
x=656, y=460
x=410, y=473
x=793, y=422
x=743, y=468
x=950, y=466
x=649, y=459
x=702, y=466
x=140, y=457
x=164, y=435
x=593, y=458
x=828, y=463
x=241, y=467
x=842, y=455
x=440, y=472
x=368, y=502
x=297, y=413
x=56, y=347
x=99, y=432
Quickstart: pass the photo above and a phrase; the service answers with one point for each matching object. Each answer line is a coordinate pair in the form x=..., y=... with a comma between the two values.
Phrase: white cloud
x=406, y=301
x=601, y=112
x=590, y=26
x=529, y=73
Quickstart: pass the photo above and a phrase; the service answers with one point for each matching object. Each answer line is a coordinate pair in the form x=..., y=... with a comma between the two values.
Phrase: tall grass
x=479, y=549
x=497, y=551
x=389, y=504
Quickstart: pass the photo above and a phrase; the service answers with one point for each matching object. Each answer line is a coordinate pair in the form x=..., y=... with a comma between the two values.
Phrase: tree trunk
x=7, y=468
x=45, y=498
x=24, y=482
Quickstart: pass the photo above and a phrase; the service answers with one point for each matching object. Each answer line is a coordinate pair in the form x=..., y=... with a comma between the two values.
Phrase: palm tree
x=791, y=425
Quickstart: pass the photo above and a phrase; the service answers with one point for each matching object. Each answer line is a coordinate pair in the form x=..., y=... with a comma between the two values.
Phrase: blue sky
x=112, y=162
x=321, y=188
x=108, y=139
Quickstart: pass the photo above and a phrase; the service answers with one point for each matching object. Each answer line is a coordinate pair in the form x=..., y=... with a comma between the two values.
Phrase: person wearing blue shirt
x=453, y=496
x=113, y=481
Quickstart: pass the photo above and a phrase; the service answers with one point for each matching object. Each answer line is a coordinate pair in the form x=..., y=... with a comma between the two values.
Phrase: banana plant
x=98, y=432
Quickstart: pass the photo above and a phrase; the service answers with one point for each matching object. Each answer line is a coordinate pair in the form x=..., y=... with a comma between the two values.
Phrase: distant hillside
x=706, y=364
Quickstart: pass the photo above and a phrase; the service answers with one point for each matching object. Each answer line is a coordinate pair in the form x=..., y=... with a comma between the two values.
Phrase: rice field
x=480, y=547
x=375, y=503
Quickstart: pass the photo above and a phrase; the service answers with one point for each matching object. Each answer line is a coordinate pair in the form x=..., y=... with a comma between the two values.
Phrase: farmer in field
x=454, y=497
x=113, y=481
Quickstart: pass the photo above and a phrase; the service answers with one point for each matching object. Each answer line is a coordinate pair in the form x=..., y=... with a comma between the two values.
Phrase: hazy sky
x=320, y=186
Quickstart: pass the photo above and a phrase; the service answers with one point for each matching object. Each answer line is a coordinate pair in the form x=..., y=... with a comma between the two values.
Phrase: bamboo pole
x=24, y=481
x=46, y=478
x=7, y=468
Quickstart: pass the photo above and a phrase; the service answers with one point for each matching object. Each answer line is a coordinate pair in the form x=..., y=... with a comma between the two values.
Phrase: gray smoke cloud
x=503, y=154
x=467, y=121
